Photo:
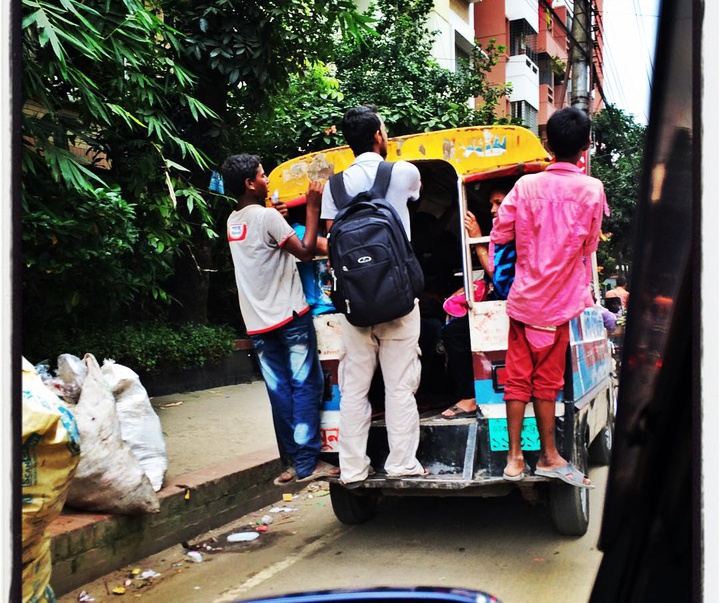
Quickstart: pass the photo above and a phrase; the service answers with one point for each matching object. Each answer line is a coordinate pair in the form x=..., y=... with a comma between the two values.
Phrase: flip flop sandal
x=459, y=413
x=520, y=476
x=576, y=478
x=279, y=481
x=322, y=470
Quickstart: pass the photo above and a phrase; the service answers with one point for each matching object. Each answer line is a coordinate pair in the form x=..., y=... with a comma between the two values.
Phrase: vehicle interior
x=438, y=245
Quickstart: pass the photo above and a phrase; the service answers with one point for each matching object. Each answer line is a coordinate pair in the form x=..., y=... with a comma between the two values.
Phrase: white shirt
x=359, y=177
x=269, y=286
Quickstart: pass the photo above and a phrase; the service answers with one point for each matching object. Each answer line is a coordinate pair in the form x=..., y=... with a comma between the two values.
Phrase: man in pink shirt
x=554, y=218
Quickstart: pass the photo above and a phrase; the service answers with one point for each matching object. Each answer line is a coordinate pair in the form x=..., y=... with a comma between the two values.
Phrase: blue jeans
x=290, y=365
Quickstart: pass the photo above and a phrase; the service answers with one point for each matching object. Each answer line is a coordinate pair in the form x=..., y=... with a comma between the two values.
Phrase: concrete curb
x=86, y=546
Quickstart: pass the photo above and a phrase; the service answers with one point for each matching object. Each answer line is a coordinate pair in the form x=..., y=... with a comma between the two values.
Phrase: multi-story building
x=454, y=22
x=536, y=35
x=454, y=25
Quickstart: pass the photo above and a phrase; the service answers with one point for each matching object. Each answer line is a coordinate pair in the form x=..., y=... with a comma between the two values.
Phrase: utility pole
x=580, y=57
x=581, y=62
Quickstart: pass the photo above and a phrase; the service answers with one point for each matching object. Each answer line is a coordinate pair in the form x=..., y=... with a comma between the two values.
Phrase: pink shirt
x=554, y=217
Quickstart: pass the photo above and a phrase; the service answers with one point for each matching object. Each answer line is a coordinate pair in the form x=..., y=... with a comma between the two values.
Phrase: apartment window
x=462, y=58
x=526, y=113
x=546, y=73
x=523, y=39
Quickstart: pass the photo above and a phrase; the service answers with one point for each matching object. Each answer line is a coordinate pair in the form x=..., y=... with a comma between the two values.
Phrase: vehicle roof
x=471, y=151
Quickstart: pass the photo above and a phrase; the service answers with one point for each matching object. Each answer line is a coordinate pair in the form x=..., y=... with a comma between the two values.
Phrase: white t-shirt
x=360, y=175
x=269, y=286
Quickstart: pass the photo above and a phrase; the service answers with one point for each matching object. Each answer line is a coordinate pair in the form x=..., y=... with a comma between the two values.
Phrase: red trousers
x=532, y=372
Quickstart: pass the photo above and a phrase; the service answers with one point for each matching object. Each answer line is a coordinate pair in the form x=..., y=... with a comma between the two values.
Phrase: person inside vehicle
x=456, y=332
x=436, y=251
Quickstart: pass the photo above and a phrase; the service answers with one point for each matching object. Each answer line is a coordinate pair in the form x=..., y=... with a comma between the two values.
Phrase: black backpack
x=376, y=276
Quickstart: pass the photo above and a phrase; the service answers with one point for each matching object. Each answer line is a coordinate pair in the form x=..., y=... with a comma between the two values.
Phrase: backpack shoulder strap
x=337, y=188
x=382, y=180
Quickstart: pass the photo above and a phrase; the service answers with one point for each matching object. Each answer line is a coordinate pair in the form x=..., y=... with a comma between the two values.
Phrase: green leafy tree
x=396, y=71
x=243, y=53
x=104, y=159
x=129, y=105
x=120, y=135
x=617, y=161
x=392, y=67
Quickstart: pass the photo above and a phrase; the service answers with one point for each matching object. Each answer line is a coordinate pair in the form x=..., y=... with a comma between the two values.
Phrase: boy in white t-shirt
x=264, y=249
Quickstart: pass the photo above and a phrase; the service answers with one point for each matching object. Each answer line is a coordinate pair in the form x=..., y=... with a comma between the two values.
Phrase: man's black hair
x=621, y=281
x=236, y=169
x=568, y=131
x=358, y=126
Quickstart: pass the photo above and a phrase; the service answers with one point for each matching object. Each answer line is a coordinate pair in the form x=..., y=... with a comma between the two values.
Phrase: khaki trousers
x=395, y=345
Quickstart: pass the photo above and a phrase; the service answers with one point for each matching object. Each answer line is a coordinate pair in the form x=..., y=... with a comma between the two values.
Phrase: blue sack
x=504, y=275
x=216, y=183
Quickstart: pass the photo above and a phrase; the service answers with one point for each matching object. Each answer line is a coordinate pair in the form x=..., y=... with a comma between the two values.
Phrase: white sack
x=139, y=424
x=109, y=478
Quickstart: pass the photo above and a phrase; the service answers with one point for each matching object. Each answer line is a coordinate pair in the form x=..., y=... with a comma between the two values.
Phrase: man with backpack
x=394, y=343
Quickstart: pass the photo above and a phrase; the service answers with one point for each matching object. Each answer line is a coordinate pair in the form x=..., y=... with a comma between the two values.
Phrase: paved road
x=501, y=545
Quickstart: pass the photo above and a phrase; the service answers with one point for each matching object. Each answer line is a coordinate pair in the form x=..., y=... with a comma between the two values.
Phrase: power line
x=578, y=46
x=611, y=73
x=619, y=89
x=610, y=108
x=641, y=32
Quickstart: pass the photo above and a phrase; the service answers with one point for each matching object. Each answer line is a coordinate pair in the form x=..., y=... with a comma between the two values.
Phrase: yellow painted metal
x=469, y=150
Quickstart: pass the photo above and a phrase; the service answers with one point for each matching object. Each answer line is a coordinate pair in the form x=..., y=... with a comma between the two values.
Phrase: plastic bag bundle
x=50, y=454
x=72, y=371
x=109, y=478
x=139, y=424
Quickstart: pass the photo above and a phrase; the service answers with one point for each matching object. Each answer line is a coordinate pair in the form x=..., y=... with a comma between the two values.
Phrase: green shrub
x=147, y=348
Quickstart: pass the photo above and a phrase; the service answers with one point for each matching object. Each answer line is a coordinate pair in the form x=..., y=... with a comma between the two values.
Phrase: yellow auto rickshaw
x=459, y=168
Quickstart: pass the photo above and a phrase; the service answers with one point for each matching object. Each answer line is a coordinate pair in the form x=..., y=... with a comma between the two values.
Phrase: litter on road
x=282, y=509
x=242, y=536
x=195, y=556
